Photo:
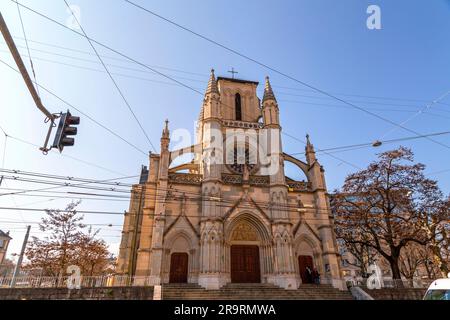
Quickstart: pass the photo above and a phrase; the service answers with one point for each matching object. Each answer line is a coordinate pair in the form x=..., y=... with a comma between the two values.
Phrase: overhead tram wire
x=111, y=77
x=127, y=199
x=110, y=57
x=293, y=209
x=152, y=69
x=60, y=177
x=64, y=184
x=3, y=166
x=72, y=157
x=83, y=113
x=176, y=195
x=164, y=75
x=64, y=155
x=146, y=66
x=370, y=144
x=282, y=73
x=108, y=47
x=202, y=81
x=28, y=48
x=427, y=107
x=74, y=185
x=67, y=156
x=302, y=103
x=204, y=75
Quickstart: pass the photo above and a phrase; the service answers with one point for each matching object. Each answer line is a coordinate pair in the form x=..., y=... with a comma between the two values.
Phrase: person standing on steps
x=316, y=276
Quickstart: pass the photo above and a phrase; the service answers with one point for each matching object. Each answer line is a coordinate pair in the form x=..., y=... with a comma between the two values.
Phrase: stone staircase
x=256, y=291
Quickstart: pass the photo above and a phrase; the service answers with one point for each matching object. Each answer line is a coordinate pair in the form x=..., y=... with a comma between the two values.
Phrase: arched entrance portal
x=249, y=249
x=178, y=267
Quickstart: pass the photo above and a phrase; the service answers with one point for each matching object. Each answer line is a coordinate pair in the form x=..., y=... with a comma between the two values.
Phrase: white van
x=438, y=290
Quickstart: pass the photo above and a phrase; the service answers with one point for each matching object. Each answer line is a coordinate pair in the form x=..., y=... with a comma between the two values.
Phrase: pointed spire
x=268, y=92
x=309, y=146
x=212, y=84
x=165, y=132
x=165, y=137
x=309, y=151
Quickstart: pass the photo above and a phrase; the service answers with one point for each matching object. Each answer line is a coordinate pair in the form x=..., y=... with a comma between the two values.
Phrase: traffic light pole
x=26, y=77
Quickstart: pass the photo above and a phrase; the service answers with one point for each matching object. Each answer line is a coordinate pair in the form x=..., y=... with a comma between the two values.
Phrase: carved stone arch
x=302, y=165
x=257, y=223
x=173, y=236
x=305, y=240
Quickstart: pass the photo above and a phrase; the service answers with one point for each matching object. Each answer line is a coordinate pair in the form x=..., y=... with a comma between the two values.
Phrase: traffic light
x=66, y=129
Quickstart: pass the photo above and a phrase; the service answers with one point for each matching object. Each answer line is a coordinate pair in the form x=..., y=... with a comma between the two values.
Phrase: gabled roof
x=4, y=235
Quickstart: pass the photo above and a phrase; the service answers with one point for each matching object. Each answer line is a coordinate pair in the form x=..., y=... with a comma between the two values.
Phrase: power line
x=370, y=144
x=68, y=156
x=112, y=58
x=70, y=185
x=66, y=197
x=278, y=93
x=83, y=113
x=203, y=75
x=282, y=73
x=152, y=69
x=195, y=90
x=28, y=48
x=67, y=192
x=64, y=155
x=63, y=184
x=427, y=107
x=3, y=165
x=111, y=77
x=59, y=177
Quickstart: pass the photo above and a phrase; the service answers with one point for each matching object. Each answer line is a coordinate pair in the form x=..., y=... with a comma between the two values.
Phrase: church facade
x=231, y=214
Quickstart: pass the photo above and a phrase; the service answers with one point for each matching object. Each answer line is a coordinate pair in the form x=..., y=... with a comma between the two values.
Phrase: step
x=250, y=291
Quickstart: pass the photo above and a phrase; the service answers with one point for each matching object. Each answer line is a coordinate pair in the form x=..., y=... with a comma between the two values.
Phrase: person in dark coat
x=309, y=275
x=316, y=276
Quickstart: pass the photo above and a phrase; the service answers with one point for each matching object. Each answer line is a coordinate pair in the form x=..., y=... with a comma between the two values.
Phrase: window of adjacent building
x=2, y=243
x=238, y=106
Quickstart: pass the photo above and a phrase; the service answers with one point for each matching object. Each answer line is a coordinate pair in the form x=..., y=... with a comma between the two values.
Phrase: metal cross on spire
x=232, y=72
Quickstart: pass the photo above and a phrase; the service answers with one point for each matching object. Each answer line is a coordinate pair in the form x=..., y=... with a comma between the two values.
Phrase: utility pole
x=26, y=77
x=19, y=262
x=66, y=119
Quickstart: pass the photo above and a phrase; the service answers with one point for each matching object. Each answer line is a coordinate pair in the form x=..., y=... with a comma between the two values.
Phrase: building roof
x=4, y=235
x=236, y=80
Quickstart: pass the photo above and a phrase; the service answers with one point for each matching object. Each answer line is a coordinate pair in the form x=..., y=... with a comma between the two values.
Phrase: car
x=438, y=290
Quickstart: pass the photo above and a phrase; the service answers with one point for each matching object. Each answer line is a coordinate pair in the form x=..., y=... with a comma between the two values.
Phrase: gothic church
x=213, y=223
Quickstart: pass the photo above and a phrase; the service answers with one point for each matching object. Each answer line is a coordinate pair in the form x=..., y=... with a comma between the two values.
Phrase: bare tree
x=411, y=258
x=66, y=245
x=382, y=207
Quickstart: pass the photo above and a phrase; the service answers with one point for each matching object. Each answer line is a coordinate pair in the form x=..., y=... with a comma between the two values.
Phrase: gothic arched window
x=238, y=107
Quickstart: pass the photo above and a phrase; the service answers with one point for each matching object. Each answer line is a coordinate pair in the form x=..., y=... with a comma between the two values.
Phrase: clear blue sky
x=325, y=43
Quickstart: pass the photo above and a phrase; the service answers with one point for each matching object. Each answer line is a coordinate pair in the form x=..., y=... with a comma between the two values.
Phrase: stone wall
x=396, y=293
x=107, y=293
